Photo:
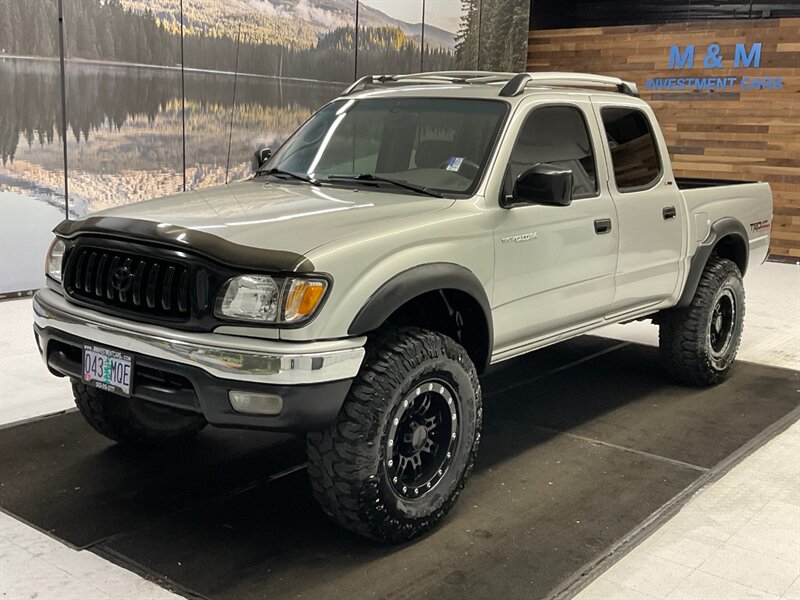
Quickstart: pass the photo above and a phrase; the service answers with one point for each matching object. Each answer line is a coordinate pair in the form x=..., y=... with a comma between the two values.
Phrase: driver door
x=554, y=265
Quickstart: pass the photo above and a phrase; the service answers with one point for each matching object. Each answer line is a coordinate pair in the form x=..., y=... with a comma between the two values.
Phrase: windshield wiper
x=297, y=176
x=419, y=189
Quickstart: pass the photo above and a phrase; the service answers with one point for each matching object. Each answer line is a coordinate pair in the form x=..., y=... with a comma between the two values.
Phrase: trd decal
x=760, y=226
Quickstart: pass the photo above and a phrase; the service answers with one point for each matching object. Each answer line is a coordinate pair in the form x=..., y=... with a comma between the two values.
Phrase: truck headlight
x=265, y=299
x=55, y=256
x=250, y=298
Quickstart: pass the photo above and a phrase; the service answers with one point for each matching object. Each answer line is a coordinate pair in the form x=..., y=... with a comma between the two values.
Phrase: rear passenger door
x=648, y=204
x=554, y=265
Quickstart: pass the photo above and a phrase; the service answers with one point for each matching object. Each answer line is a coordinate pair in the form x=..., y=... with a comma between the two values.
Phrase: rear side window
x=556, y=135
x=634, y=152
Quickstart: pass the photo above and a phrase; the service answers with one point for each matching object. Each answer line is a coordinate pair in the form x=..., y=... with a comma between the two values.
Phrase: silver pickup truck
x=414, y=231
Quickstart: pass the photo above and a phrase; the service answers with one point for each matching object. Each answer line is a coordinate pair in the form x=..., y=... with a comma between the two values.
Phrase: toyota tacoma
x=414, y=231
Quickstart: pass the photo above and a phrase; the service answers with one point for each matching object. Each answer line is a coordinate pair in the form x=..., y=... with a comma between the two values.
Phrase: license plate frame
x=107, y=369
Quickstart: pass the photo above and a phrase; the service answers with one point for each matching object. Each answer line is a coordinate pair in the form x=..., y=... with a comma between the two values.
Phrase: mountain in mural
x=304, y=39
x=295, y=23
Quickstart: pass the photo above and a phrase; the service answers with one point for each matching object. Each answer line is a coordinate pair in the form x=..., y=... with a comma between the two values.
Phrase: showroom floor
x=738, y=537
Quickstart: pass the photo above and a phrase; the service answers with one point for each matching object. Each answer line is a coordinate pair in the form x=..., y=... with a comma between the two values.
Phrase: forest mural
x=131, y=90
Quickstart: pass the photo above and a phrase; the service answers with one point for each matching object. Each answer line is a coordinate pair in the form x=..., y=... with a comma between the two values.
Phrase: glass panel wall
x=248, y=73
x=389, y=36
x=503, y=38
x=253, y=73
x=123, y=84
x=451, y=34
x=32, y=197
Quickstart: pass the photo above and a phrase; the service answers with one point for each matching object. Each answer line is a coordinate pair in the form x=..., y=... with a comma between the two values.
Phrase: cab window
x=633, y=147
x=556, y=135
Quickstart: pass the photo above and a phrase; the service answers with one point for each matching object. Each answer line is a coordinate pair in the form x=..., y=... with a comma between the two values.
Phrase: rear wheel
x=133, y=421
x=396, y=460
x=698, y=343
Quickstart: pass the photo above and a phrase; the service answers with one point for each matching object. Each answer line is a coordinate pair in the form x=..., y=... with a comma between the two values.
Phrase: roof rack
x=515, y=83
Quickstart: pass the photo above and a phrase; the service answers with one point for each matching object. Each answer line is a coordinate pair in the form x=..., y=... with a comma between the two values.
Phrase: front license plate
x=108, y=370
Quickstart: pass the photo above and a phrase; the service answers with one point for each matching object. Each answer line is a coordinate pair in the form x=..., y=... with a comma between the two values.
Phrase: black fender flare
x=719, y=229
x=414, y=282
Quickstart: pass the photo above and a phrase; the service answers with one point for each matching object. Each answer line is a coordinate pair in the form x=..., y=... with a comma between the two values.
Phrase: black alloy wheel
x=722, y=324
x=423, y=436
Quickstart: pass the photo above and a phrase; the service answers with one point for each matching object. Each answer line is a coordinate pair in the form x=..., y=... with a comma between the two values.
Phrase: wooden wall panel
x=739, y=134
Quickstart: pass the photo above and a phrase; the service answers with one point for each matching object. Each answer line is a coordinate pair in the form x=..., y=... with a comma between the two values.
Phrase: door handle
x=602, y=226
x=669, y=212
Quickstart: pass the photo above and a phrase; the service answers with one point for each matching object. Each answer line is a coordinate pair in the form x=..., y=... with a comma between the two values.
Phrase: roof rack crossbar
x=429, y=77
x=455, y=75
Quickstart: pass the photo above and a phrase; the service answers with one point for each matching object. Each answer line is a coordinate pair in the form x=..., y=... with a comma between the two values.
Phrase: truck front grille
x=140, y=284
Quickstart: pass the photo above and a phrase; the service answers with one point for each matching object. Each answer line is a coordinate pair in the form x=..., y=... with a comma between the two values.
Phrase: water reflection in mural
x=124, y=137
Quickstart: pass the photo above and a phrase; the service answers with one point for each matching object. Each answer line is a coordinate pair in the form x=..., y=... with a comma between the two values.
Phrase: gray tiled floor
x=35, y=566
x=737, y=539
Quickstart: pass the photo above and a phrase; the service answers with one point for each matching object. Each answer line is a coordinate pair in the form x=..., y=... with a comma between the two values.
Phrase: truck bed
x=750, y=203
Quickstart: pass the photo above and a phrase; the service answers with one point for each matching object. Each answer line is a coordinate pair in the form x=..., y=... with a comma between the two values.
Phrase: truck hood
x=276, y=216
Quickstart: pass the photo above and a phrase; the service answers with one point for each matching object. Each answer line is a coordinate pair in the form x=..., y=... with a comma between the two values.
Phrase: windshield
x=427, y=143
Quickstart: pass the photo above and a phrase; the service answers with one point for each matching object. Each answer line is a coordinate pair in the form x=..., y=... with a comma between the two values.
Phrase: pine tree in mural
x=503, y=35
x=493, y=35
x=28, y=28
x=467, y=35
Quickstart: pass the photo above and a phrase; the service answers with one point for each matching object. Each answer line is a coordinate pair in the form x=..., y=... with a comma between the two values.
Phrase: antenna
x=183, y=101
x=355, y=46
x=233, y=103
x=64, y=104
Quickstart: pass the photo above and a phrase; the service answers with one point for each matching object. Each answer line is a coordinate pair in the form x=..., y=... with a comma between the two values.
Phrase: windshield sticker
x=454, y=164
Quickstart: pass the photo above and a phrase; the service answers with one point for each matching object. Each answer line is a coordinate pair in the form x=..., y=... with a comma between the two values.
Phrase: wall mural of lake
x=125, y=110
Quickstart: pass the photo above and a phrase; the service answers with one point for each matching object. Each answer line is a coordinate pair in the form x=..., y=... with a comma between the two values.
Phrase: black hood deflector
x=191, y=240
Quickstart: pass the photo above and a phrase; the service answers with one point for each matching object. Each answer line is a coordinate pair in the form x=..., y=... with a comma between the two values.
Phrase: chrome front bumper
x=229, y=357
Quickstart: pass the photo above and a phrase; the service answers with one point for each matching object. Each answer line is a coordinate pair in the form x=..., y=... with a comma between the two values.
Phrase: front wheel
x=698, y=343
x=405, y=441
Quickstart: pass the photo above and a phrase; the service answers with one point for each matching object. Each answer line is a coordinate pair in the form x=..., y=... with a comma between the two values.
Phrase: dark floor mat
x=57, y=468
x=624, y=398
x=521, y=527
x=61, y=476
x=570, y=462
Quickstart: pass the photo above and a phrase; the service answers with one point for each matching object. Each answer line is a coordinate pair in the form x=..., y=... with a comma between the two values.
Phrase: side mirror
x=542, y=184
x=260, y=156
